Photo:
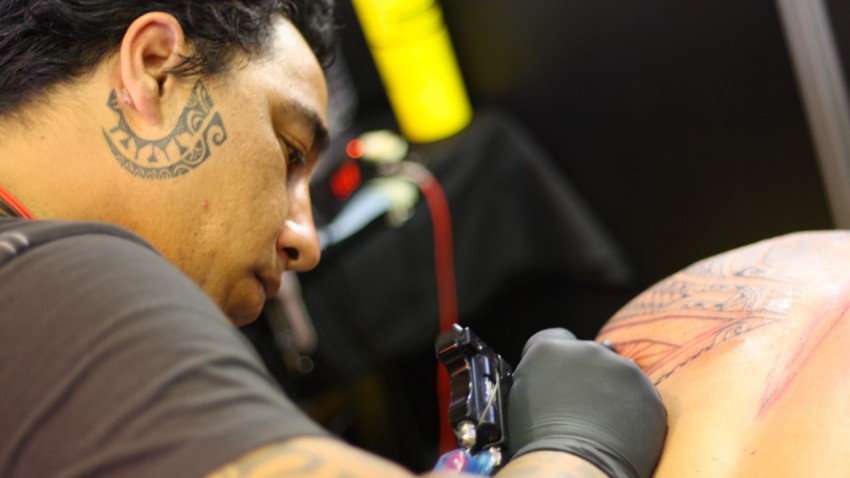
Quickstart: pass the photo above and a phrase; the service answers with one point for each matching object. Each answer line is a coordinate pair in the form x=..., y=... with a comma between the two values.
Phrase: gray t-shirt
x=112, y=363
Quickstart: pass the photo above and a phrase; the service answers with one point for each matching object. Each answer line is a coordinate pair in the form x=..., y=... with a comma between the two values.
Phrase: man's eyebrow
x=310, y=117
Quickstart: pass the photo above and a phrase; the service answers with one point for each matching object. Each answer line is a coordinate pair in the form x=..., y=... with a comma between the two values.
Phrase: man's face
x=237, y=212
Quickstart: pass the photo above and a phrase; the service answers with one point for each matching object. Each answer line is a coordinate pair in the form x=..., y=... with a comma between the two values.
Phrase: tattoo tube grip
x=479, y=382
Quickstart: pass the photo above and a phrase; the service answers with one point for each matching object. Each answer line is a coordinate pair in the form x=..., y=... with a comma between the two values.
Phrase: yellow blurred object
x=413, y=52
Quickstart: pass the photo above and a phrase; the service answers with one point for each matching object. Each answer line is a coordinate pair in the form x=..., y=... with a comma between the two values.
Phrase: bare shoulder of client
x=747, y=349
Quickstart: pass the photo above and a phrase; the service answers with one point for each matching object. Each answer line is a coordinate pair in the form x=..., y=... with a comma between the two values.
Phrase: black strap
x=7, y=209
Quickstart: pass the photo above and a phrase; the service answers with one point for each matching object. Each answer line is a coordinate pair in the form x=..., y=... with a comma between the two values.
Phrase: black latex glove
x=581, y=398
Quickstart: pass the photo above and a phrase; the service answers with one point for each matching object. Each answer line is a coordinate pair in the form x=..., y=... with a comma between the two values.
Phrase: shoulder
x=52, y=245
x=87, y=268
x=99, y=332
x=34, y=233
x=89, y=277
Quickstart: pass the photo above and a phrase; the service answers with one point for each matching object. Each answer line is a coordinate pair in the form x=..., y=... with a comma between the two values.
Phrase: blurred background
x=610, y=144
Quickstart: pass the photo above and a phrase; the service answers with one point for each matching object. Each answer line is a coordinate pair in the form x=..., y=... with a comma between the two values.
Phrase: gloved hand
x=581, y=398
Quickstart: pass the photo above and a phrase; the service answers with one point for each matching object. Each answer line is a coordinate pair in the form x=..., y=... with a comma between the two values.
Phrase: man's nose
x=298, y=243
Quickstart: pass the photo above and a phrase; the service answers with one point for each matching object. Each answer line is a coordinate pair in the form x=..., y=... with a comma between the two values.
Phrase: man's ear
x=154, y=43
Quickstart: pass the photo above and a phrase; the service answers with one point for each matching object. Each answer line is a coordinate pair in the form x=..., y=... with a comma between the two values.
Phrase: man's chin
x=245, y=313
x=242, y=319
x=244, y=305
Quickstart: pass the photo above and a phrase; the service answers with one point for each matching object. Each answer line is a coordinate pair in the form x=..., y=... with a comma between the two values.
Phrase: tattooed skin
x=686, y=316
x=748, y=351
x=189, y=144
x=291, y=462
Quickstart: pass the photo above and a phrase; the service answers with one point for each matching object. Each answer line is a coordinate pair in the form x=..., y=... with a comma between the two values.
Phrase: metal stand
x=824, y=92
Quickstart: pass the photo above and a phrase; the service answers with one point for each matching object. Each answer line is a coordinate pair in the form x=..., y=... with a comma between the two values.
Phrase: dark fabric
x=112, y=363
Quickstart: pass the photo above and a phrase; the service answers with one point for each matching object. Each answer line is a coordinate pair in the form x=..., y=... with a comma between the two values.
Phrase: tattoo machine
x=479, y=382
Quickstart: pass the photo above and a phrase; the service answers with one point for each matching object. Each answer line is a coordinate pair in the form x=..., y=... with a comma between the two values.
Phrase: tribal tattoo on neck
x=186, y=147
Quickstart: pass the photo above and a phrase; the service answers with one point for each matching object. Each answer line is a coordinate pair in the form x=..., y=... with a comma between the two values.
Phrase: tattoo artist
x=155, y=158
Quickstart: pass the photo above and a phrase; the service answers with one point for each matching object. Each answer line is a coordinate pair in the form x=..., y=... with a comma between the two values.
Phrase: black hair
x=44, y=43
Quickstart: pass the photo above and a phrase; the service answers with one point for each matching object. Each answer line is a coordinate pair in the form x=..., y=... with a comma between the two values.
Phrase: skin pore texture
x=748, y=350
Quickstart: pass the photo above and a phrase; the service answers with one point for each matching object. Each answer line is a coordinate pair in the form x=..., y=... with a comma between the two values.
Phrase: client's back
x=750, y=352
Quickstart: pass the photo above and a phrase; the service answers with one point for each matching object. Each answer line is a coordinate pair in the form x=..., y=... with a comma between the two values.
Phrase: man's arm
x=311, y=457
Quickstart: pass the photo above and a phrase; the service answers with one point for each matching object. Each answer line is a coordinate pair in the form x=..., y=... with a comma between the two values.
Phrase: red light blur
x=355, y=148
x=346, y=179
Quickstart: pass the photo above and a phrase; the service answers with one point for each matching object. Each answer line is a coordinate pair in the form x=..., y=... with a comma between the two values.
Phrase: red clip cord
x=444, y=271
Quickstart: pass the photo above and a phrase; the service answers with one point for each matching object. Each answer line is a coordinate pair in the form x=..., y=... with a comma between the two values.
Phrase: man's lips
x=271, y=284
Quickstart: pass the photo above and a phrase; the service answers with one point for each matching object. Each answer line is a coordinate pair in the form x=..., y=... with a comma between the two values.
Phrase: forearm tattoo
x=198, y=129
x=289, y=460
x=686, y=316
x=281, y=460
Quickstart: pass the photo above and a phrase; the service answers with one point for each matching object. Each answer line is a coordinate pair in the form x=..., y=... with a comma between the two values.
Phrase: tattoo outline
x=189, y=144
x=683, y=317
